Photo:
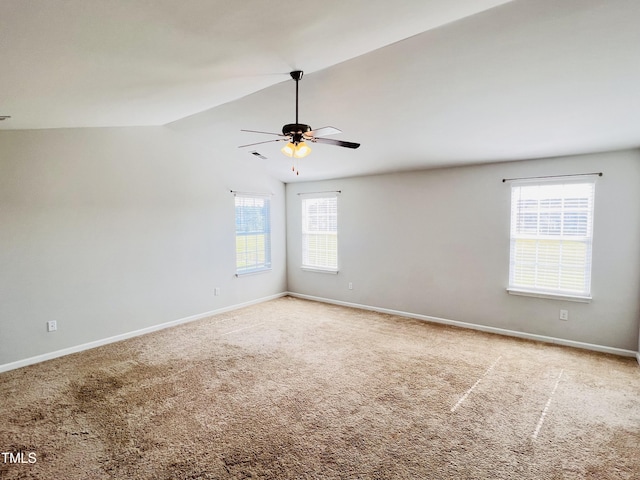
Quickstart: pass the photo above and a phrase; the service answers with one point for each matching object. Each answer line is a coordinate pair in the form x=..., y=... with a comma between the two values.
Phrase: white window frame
x=551, y=239
x=321, y=225
x=255, y=255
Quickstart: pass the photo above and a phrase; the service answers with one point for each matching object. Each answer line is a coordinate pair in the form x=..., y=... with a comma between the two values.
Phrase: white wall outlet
x=52, y=326
x=350, y=286
x=564, y=314
x=216, y=291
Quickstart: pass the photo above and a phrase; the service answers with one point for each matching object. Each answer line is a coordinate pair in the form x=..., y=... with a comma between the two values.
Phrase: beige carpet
x=295, y=389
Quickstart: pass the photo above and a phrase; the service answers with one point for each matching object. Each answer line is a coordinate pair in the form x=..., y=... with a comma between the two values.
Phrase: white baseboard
x=482, y=328
x=512, y=333
x=136, y=333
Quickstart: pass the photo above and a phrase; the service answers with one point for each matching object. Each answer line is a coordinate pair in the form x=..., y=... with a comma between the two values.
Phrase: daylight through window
x=253, y=234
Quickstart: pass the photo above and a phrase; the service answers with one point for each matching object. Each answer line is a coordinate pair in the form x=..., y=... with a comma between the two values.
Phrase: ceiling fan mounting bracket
x=297, y=75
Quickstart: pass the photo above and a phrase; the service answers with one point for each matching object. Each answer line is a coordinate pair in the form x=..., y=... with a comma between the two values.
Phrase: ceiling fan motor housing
x=296, y=131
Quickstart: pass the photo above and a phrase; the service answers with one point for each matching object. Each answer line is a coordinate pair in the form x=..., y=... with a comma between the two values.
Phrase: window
x=320, y=232
x=253, y=233
x=551, y=238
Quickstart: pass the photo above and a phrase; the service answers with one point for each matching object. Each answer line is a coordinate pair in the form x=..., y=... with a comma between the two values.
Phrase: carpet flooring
x=293, y=389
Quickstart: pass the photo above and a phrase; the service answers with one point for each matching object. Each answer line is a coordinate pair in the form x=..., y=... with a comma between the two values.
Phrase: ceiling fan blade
x=322, y=132
x=259, y=143
x=266, y=133
x=339, y=143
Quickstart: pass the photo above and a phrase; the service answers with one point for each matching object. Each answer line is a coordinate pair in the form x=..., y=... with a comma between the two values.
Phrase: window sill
x=552, y=296
x=253, y=272
x=320, y=270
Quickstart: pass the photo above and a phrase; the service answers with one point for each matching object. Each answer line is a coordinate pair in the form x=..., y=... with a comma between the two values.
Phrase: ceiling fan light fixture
x=297, y=150
x=289, y=149
x=302, y=150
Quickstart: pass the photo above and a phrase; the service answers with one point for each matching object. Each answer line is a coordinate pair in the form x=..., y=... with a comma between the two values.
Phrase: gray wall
x=110, y=230
x=436, y=243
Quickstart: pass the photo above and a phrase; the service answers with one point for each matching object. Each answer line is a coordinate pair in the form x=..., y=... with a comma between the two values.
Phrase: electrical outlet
x=564, y=314
x=350, y=286
x=216, y=291
x=52, y=326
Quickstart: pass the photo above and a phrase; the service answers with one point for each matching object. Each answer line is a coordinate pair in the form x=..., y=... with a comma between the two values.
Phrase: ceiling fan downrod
x=297, y=75
x=296, y=130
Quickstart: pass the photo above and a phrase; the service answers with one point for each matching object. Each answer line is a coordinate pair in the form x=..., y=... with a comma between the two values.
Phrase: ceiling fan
x=297, y=134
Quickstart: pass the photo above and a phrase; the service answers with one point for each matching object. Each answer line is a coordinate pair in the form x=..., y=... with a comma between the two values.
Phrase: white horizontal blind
x=253, y=233
x=320, y=232
x=551, y=237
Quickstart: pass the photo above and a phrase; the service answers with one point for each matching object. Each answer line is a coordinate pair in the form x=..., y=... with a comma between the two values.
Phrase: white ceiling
x=420, y=84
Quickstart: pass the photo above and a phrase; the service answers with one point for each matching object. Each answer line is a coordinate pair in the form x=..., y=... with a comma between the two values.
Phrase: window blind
x=551, y=237
x=320, y=232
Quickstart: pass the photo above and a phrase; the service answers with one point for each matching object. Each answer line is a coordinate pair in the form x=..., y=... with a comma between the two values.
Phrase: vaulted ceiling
x=421, y=84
